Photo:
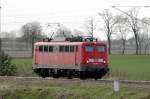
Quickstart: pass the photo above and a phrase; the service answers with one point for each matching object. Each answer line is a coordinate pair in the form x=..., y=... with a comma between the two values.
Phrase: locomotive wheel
x=55, y=75
x=69, y=77
x=96, y=77
x=69, y=74
x=43, y=73
x=43, y=76
x=100, y=76
x=83, y=75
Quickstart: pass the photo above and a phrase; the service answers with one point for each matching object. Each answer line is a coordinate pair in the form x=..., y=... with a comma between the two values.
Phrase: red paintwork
x=95, y=54
x=72, y=58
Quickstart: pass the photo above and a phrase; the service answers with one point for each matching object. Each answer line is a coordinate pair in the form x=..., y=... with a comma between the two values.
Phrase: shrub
x=6, y=66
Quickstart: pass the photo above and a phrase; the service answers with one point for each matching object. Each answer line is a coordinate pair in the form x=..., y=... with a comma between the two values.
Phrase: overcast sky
x=71, y=13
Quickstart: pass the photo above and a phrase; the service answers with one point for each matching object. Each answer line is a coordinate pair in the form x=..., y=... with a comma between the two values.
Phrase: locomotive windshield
x=100, y=48
x=89, y=48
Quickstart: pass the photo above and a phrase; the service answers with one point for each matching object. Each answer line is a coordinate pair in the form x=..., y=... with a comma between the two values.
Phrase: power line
x=129, y=15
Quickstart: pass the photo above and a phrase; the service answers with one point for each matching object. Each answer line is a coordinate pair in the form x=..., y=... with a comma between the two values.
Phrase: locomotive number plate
x=95, y=60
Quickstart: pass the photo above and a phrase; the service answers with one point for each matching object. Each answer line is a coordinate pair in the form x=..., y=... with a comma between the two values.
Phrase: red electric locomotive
x=70, y=59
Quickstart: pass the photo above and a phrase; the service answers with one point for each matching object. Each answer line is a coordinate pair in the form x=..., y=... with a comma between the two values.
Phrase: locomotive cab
x=95, y=62
x=95, y=54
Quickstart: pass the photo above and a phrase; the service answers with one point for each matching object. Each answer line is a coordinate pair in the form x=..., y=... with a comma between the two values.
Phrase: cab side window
x=45, y=48
x=61, y=48
x=50, y=48
x=71, y=48
x=66, y=48
x=40, y=48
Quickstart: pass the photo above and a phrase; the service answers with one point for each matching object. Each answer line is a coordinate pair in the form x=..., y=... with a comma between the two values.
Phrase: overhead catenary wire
x=132, y=6
x=115, y=7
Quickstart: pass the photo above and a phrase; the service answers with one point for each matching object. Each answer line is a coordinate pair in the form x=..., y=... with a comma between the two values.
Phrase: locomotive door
x=35, y=54
x=76, y=49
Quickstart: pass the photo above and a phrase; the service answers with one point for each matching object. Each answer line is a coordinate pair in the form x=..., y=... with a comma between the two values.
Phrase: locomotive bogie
x=71, y=73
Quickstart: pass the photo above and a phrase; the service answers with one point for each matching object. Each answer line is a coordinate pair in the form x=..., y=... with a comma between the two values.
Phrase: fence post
x=116, y=85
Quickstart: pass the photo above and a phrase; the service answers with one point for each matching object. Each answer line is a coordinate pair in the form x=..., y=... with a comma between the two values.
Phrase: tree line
x=120, y=26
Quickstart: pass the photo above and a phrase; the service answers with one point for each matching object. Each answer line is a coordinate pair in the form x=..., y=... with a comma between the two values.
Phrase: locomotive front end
x=94, y=59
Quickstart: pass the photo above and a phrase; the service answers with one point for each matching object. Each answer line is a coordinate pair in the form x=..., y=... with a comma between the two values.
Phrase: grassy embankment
x=122, y=67
x=34, y=89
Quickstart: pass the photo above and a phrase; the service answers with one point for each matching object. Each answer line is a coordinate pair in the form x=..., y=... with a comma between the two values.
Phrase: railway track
x=75, y=80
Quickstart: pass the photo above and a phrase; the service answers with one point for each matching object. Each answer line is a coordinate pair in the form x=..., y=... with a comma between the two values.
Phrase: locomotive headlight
x=87, y=61
x=104, y=61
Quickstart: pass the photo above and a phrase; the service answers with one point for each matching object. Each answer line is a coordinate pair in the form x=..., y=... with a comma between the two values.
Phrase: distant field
x=130, y=67
x=45, y=89
x=121, y=67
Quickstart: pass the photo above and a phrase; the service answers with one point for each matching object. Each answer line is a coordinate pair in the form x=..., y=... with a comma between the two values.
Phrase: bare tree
x=141, y=40
x=31, y=32
x=122, y=29
x=143, y=35
x=134, y=25
x=109, y=26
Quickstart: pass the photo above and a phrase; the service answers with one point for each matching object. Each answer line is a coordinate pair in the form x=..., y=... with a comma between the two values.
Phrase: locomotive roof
x=66, y=43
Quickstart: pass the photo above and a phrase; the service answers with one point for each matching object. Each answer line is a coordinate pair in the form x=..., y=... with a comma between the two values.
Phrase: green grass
x=121, y=67
x=130, y=67
x=25, y=89
x=24, y=66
